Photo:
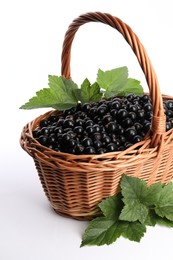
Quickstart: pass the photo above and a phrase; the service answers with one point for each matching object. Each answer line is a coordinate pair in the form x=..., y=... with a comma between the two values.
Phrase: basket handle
x=158, y=121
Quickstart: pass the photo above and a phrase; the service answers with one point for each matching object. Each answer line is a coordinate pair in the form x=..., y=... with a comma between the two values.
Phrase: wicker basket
x=75, y=184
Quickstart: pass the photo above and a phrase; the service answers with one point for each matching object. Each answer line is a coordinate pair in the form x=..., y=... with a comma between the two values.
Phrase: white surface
x=31, y=34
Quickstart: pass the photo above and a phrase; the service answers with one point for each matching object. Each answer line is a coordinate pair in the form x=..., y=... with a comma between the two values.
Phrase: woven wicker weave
x=75, y=184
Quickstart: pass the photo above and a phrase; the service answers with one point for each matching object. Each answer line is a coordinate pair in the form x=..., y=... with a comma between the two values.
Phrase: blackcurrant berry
x=106, y=140
x=43, y=123
x=79, y=122
x=132, y=116
x=43, y=140
x=127, y=122
x=130, y=133
x=137, y=138
x=116, y=105
x=106, y=119
x=97, y=144
x=169, y=104
x=79, y=149
x=89, y=150
x=111, y=147
x=101, y=110
x=89, y=123
x=122, y=114
x=87, y=141
x=168, y=126
x=36, y=133
x=111, y=127
x=78, y=130
x=148, y=107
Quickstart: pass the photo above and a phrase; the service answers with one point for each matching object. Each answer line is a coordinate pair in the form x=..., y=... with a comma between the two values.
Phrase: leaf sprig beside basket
x=75, y=184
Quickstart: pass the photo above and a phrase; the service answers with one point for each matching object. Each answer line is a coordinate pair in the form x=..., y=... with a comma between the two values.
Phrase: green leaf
x=131, y=86
x=101, y=231
x=43, y=98
x=151, y=219
x=133, y=211
x=138, y=198
x=112, y=206
x=134, y=231
x=164, y=205
x=117, y=83
x=89, y=93
x=164, y=222
x=60, y=95
x=134, y=192
x=112, y=80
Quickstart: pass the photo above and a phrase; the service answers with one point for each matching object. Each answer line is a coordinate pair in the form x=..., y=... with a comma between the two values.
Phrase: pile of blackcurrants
x=102, y=127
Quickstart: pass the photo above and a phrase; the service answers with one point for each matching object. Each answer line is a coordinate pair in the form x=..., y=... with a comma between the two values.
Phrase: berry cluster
x=97, y=128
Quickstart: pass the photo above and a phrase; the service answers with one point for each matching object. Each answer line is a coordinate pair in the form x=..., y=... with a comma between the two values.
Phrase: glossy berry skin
x=137, y=138
x=79, y=122
x=97, y=144
x=43, y=140
x=111, y=147
x=111, y=127
x=148, y=107
x=116, y=105
x=106, y=140
x=36, y=133
x=169, y=104
x=102, y=110
x=87, y=142
x=79, y=149
x=122, y=114
x=127, y=122
x=130, y=133
x=78, y=130
x=89, y=150
x=43, y=123
x=106, y=119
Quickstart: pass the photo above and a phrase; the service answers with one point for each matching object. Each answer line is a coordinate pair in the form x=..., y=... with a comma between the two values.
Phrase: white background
x=31, y=36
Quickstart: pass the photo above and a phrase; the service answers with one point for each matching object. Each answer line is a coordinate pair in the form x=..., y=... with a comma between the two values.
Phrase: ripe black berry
x=79, y=149
x=43, y=140
x=101, y=110
x=36, y=133
x=148, y=107
x=87, y=141
x=116, y=105
x=132, y=116
x=89, y=150
x=127, y=122
x=111, y=147
x=78, y=130
x=79, y=122
x=122, y=114
x=89, y=123
x=43, y=123
x=168, y=126
x=111, y=127
x=97, y=144
x=169, y=104
x=106, y=140
x=130, y=133
x=106, y=119
x=137, y=138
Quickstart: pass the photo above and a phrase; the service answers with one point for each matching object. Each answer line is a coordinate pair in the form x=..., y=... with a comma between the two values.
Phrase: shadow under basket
x=75, y=184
